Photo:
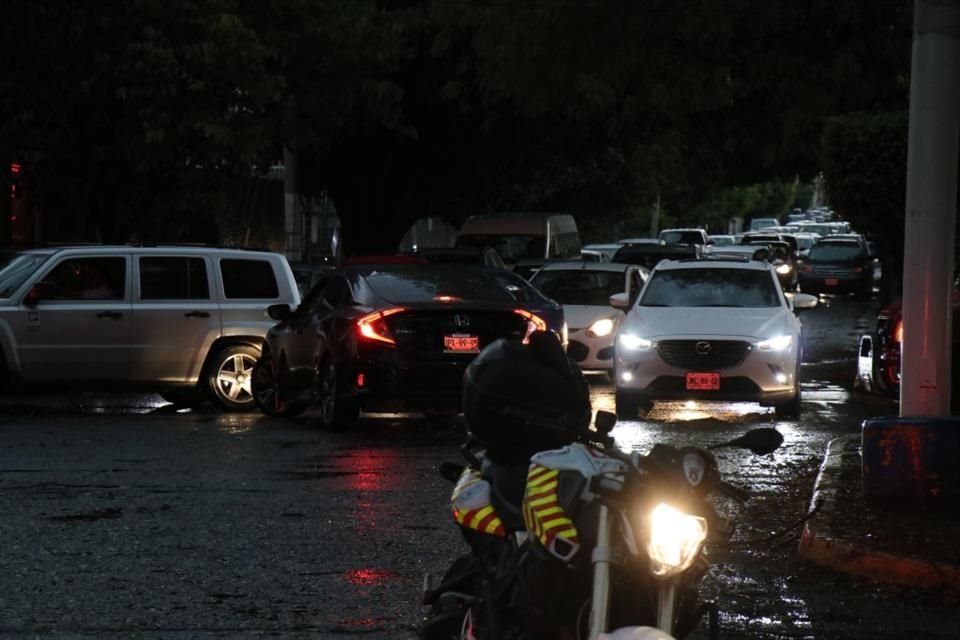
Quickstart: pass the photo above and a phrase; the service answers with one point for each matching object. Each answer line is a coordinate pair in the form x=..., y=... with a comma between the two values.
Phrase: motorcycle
x=582, y=540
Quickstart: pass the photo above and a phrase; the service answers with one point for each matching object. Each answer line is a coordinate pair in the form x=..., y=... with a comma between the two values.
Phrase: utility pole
x=931, y=208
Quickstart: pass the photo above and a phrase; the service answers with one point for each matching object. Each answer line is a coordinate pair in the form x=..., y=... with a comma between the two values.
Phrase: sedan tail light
x=373, y=326
x=534, y=323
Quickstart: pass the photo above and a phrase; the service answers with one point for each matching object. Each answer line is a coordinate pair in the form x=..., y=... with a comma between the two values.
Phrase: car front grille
x=703, y=355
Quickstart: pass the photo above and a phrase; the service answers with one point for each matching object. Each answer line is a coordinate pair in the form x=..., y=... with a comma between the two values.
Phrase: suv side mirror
x=620, y=301
x=279, y=312
x=804, y=301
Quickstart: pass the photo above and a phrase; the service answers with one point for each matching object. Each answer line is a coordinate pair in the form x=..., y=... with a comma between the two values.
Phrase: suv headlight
x=675, y=540
x=777, y=343
x=601, y=328
x=634, y=342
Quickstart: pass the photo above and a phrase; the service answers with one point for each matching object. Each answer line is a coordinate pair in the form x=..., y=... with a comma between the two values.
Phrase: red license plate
x=830, y=282
x=703, y=381
x=461, y=343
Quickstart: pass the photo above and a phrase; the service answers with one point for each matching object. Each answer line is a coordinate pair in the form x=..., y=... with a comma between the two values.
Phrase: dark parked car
x=482, y=256
x=878, y=366
x=392, y=337
x=648, y=255
x=837, y=266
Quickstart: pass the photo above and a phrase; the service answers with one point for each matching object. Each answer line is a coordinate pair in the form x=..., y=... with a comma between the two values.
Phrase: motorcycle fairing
x=471, y=506
x=543, y=516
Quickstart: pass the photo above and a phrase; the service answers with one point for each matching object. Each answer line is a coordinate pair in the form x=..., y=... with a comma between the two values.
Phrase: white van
x=519, y=237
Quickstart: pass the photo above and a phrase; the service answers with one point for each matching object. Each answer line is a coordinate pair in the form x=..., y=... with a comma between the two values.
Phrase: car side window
x=170, y=278
x=244, y=278
x=86, y=279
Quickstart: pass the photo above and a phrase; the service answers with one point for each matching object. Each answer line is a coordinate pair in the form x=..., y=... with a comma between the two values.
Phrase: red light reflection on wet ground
x=371, y=577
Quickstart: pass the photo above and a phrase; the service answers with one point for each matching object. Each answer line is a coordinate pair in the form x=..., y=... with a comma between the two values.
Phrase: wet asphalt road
x=121, y=518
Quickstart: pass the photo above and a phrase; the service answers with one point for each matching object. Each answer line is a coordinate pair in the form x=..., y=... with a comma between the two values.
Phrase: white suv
x=179, y=320
x=710, y=330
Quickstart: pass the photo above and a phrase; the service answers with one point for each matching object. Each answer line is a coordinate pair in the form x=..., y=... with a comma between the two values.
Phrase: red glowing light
x=534, y=323
x=361, y=379
x=14, y=167
x=446, y=298
x=372, y=326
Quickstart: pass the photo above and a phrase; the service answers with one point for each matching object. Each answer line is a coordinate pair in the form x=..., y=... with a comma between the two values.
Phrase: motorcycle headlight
x=633, y=342
x=784, y=269
x=601, y=328
x=675, y=540
x=778, y=343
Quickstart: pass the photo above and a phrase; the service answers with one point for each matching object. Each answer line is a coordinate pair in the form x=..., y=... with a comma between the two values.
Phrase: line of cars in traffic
x=395, y=332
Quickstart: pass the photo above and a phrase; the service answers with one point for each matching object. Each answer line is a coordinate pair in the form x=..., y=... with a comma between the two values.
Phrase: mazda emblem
x=703, y=348
x=461, y=320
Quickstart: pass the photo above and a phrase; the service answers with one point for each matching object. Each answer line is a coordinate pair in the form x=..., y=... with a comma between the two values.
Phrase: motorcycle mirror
x=759, y=441
x=605, y=422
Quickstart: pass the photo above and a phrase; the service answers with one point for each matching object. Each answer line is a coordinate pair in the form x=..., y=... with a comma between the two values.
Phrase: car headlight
x=601, y=328
x=634, y=342
x=784, y=269
x=675, y=540
x=778, y=343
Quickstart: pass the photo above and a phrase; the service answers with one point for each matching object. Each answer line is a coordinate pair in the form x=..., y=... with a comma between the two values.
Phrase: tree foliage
x=144, y=116
x=865, y=168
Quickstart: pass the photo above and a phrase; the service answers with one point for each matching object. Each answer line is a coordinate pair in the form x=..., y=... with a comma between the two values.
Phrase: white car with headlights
x=710, y=330
x=584, y=290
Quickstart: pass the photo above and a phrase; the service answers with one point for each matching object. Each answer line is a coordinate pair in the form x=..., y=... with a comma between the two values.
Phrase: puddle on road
x=371, y=577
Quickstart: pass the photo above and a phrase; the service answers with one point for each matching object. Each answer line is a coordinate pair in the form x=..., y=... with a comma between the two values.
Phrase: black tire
x=447, y=617
x=336, y=411
x=790, y=408
x=267, y=393
x=228, y=375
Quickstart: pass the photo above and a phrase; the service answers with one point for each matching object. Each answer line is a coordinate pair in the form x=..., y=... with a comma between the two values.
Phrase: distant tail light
x=373, y=326
x=534, y=323
x=807, y=269
x=898, y=331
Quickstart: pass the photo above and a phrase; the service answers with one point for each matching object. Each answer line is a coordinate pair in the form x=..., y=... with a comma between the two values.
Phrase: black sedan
x=391, y=337
x=837, y=266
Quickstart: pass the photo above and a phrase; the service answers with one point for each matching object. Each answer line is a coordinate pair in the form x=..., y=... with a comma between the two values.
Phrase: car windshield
x=579, y=286
x=713, y=287
x=831, y=252
x=510, y=247
x=15, y=272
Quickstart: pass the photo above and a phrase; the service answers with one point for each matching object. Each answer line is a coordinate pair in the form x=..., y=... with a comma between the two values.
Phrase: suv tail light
x=373, y=326
x=534, y=323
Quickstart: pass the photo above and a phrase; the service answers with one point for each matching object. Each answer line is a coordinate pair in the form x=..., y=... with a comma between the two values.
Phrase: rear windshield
x=682, y=237
x=710, y=288
x=410, y=284
x=835, y=252
x=580, y=287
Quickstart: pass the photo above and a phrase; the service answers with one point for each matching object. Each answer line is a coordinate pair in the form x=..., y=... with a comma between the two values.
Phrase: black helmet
x=522, y=398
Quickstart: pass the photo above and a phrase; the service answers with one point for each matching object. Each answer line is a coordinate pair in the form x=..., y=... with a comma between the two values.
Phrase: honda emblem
x=461, y=320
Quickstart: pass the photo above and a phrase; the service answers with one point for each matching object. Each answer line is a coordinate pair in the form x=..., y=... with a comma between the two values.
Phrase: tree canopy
x=140, y=116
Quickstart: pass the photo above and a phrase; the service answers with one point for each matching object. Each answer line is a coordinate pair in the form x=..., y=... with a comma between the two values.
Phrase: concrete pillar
x=930, y=209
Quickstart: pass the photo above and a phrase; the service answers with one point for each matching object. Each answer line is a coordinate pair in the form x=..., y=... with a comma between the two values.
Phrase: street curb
x=822, y=544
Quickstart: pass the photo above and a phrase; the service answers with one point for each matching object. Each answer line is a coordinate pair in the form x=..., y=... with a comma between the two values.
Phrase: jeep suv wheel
x=229, y=374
